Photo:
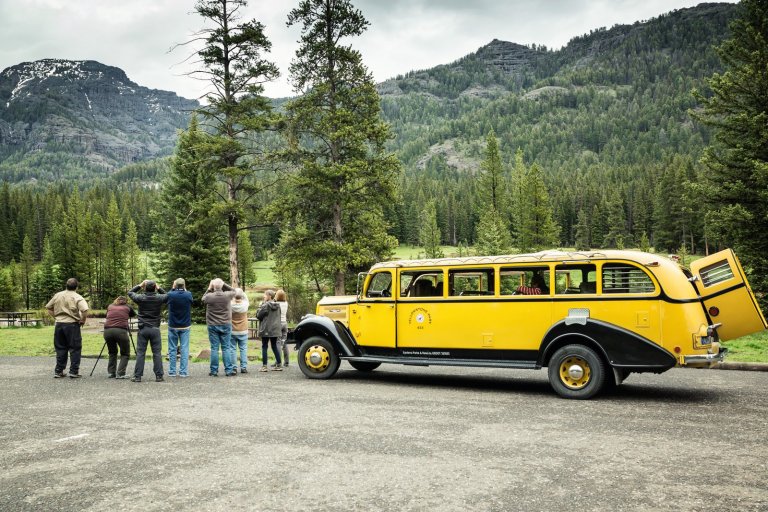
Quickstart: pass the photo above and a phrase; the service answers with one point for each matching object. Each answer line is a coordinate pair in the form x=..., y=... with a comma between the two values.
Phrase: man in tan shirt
x=70, y=311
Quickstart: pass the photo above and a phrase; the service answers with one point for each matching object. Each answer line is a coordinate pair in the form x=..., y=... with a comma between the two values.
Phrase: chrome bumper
x=705, y=359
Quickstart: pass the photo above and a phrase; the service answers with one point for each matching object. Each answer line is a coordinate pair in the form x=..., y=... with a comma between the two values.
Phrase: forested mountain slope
x=61, y=118
x=606, y=118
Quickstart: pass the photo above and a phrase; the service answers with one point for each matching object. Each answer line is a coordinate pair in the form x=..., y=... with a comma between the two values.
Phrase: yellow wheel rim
x=575, y=372
x=317, y=358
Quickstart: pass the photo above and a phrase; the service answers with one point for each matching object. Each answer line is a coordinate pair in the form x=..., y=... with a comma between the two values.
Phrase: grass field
x=38, y=341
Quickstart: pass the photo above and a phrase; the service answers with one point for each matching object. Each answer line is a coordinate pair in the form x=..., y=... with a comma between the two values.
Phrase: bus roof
x=642, y=258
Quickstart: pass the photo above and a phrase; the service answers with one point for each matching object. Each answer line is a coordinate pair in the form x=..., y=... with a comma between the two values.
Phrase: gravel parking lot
x=400, y=438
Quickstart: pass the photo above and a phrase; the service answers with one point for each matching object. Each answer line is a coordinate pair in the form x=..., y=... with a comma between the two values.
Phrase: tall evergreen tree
x=8, y=291
x=493, y=188
x=245, y=258
x=345, y=174
x=113, y=281
x=492, y=234
x=237, y=111
x=132, y=254
x=46, y=280
x=583, y=241
x=27, y=268
x=738, y=159
x=617, y=224
x=429, y=233
x=191, y=243
x=538, y=229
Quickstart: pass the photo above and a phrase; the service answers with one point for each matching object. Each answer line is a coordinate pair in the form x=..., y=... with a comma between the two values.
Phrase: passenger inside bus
x=538, y=287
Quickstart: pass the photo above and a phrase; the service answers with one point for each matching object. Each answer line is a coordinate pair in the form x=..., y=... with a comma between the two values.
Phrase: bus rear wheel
x=576, y=371
x=318, y=358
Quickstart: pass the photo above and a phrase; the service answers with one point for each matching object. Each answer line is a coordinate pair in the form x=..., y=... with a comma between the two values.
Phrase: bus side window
x=573, y=279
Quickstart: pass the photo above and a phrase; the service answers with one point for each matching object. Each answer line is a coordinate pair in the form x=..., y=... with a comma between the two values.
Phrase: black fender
x=619, y=347
x=335, y=332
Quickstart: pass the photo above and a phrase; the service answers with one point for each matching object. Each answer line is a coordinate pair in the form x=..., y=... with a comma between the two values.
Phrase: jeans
x=116, y=337
x=240, y=341
x=149, y=335
x=265, y=341
x=281, y=345
x=67, y=340
x=219, y=335
x=178, y=337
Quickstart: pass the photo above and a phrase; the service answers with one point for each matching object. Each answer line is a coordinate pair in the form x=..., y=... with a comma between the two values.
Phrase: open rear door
x=726, y=295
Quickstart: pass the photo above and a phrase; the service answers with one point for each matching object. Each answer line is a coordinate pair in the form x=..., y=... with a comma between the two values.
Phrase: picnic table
x=9, y=318
x=253, y=328
x=133, y=323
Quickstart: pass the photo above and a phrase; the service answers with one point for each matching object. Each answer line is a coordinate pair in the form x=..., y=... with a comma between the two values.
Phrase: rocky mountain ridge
x=86, y=111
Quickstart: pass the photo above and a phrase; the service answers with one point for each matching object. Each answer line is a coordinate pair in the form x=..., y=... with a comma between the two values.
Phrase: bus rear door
x=726, y=295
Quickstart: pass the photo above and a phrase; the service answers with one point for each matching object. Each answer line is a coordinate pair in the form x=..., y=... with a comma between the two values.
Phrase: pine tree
x=737, y=161
x=237, y=110
x=191, y=243
x=537, y=228
x=245, y=258
x=132, y=254
x=583, y=242
x=8, y=292
x=617, y=224
x=113, y=281
x=492, y=234
x=337, y=138
x=27, y=268
x=429, y=233
x=46, y=281
x=493, y=188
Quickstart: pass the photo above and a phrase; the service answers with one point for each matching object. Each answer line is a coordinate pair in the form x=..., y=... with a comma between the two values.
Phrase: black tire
x=317, y=358
x=363, y=366
x=576, y=371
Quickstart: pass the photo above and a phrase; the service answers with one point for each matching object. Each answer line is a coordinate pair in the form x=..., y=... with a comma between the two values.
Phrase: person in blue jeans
x=240, y=329
x=179, y=324
x=218, y=316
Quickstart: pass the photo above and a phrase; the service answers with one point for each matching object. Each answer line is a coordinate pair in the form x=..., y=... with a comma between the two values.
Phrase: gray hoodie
x=269, y=319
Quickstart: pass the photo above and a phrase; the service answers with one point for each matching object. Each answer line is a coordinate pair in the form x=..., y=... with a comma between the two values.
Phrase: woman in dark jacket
x=116, y=335
x=269, y=329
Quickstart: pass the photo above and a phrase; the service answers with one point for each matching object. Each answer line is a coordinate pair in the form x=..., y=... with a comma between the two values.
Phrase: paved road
x=398, y=439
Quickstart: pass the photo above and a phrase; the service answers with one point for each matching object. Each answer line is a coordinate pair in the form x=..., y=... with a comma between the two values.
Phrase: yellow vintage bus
x=590, y=318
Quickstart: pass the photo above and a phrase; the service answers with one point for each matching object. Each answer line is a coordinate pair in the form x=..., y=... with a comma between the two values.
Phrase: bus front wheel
x=576, y=371
x=318, y=358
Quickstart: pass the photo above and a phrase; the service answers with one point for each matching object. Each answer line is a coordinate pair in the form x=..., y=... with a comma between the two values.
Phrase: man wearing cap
x=179, y=325
x=70, y=311
x=150, y=306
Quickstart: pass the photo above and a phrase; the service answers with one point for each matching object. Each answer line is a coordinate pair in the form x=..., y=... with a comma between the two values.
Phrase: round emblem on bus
x=420, y=318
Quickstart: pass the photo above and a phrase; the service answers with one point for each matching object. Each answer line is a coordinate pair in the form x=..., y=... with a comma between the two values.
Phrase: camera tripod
x=130, y=335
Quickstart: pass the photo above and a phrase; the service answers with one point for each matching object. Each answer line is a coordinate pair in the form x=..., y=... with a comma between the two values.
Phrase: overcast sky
x=404, y=35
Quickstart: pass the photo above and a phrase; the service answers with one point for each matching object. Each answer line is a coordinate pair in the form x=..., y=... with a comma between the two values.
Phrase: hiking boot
x=159, y=378
x=59, y=375
x=244, y=370
x=213, y=374
x=264, y=369
x=111, y=376
x=121, y=377
x=277, y=368
x=74, y=375
x=135, y=379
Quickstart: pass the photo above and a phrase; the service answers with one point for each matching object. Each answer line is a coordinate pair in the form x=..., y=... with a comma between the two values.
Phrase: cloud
x=404, y=35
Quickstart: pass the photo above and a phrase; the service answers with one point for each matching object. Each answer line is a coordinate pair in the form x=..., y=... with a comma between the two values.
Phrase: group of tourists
x=226, y=316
